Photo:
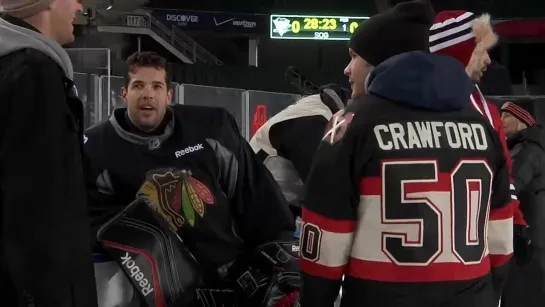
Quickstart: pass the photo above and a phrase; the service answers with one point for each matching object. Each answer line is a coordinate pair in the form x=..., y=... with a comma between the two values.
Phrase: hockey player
x=191, y=164
x=288, y=141
x=398, y=198
x=467, y=38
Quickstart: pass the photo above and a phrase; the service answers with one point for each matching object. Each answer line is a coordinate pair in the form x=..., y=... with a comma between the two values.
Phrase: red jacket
x=491, y=112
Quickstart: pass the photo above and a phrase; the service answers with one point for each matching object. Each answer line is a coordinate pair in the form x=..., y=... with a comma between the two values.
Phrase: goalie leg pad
x=153, y=257
x=113, y=287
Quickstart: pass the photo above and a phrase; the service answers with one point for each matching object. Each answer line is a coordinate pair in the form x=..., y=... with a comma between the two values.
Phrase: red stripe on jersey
x=315, y=269
x=501, y=213
x=499, y=260
x=327, y=224
x=391, y=272
x=373, y=185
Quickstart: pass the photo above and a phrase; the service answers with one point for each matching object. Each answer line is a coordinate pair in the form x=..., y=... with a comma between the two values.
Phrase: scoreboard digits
x=314, y=27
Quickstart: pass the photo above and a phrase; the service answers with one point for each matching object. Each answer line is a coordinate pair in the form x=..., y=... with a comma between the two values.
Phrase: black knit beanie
x=403, y=28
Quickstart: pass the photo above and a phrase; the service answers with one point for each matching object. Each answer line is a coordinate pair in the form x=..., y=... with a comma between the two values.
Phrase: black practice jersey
x=200, y=175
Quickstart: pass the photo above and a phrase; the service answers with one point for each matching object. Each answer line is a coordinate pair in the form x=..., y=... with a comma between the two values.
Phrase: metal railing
x=176, y=37
x=201, y=53
x=182, y=41
x=303, y=85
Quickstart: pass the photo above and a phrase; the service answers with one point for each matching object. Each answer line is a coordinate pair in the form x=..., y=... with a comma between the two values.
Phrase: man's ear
x=124, y=94
x=170, y=93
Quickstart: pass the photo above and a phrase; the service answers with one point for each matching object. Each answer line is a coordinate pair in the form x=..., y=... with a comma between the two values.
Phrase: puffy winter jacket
x=526, y=283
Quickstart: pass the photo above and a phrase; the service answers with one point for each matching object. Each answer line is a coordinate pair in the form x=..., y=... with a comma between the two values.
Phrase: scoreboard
x=314, y=27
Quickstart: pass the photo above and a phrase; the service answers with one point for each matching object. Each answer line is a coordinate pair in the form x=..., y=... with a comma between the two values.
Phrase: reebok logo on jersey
x=189, y=149
x=137, y=274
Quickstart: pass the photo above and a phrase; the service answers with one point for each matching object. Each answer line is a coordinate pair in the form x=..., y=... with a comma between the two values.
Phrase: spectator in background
x=45, y=255
x=468, y=37
x=286, y=144
x=526, y=282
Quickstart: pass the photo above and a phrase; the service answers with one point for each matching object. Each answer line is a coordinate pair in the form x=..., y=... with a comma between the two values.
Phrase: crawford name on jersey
x=409, y=202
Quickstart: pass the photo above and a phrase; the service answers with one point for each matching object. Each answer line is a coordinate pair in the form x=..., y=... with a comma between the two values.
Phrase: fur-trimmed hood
x=485, y=39
x=462, y=35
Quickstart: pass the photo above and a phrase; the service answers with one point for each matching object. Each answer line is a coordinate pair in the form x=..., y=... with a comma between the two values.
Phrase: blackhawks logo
x=176, y=196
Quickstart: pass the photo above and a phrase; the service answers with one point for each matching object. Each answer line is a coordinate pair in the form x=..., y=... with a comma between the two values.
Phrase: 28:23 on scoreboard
x=314, y=27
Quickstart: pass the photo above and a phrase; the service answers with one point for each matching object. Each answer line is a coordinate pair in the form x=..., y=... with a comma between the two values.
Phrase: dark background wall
x=320, y=61
x=499, y=8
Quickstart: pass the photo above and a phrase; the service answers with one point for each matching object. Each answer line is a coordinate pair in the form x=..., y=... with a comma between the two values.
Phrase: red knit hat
x=460, y=33
x=521, y=110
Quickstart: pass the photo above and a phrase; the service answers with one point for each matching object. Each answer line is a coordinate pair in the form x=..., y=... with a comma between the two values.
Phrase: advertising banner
x=214, y=21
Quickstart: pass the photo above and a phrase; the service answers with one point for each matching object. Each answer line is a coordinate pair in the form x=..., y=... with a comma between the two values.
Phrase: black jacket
x=240, y=205
x=526, y=285
x=386, y=203
x=45, y=256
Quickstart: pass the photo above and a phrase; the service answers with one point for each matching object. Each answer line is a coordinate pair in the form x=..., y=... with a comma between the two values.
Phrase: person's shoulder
x=94, y=136
x=368, y=109
x=98, y=128
x=25, y=68
x=30, y=60
x=355, y=121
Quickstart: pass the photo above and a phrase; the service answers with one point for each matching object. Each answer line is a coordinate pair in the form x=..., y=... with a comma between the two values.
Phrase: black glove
x=283, y=290
x=269, y=277
x=522, y=244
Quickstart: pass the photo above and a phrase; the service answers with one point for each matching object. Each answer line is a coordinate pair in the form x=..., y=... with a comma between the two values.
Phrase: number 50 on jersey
x=415, y=214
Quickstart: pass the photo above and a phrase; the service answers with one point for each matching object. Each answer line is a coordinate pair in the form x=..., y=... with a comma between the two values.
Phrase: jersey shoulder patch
x=337, y=126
